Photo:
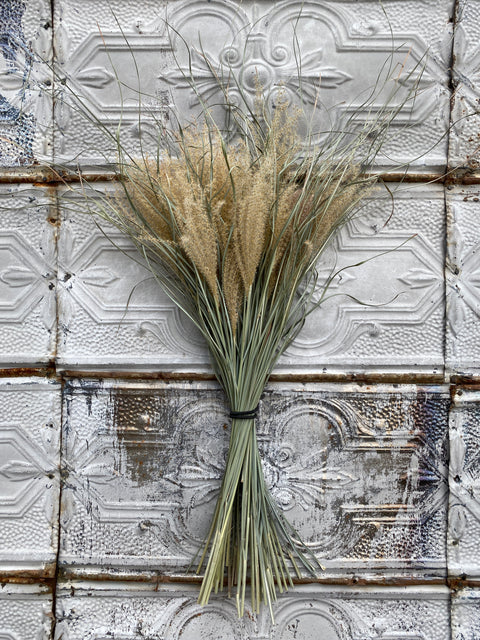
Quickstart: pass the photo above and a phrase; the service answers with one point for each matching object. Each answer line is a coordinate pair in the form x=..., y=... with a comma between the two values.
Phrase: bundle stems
x=248, y=537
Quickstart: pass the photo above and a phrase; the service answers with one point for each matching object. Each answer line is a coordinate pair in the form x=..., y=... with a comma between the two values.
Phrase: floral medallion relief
x=150, y=462
x=318, y=55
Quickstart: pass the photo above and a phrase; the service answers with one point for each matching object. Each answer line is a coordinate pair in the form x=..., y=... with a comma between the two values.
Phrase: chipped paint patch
x=17, y=125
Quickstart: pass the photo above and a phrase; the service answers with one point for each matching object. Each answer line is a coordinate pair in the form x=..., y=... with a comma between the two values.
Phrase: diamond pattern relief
x=29, y=475
x=111, y=311
x=385, y=314
x=463, y=283
x=27, y=276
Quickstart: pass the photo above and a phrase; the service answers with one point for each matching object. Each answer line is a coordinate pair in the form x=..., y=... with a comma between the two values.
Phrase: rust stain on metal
x=136, y=375
x=367, y=378
x=29, y=577
x=136, y=422
x=464, y=175
x=66, y=574
x=471, y=178
x=48, y=371
x=362, y=378
x=157, y=579
x=466, y=382
x=400, y=176
x=40, y=176
x=33, y=174
x=460, y=582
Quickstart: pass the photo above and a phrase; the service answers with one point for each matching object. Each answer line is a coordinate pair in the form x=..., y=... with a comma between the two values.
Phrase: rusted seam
x=51, y=372
x=41, y=176
x=364, y=378
x=150, y=578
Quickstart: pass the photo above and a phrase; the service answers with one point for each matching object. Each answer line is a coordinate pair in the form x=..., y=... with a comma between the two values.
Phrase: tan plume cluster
x=232, y=214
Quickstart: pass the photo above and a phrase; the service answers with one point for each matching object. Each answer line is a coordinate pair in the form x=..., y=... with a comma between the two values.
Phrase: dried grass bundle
x=233, y=232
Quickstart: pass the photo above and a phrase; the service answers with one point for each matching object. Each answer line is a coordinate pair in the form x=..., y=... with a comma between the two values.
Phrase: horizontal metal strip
x=44, y=175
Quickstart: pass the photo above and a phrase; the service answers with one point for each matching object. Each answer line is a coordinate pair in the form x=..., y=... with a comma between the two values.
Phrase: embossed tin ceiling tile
x=27, y=276
x=29, y=476
x=113, y=314
x=400, y=325
x=464, y=508
x=111, y=310
x=110, y=54
x=466, y=614
x=463, y=281
x=25, y=612
x=360, y=472
x=127, y=611
x=26, y=106
x=464, y=144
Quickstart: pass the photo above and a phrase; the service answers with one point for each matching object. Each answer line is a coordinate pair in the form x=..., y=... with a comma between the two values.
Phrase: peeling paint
x=18, y=126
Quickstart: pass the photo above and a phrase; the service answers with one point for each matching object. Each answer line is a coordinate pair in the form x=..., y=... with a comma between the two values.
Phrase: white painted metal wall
x=112, y=431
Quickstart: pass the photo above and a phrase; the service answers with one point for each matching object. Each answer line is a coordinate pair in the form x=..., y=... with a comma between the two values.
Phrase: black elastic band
x=244, y=415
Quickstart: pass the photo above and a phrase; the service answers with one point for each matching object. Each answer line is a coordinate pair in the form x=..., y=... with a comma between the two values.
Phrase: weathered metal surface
x=462, y=282
x=466, y=614
x=112, y=313
x=343, y=48
x=26, y=84
x=359, y=471
x=331, y=613
x=25, y=612
x=464, y=510
x=464, y=148
x=28, y=315
x=29, y=476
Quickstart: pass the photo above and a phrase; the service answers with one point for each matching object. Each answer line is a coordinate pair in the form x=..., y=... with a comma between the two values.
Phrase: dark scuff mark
x=142, y=422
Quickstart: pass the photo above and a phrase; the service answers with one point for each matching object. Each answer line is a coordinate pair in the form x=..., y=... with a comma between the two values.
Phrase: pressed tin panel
x=131, y=612
x=359, y=471
x=25, y=612
x=387, y=314
x=464, y=509
x=384, y=315
x=344, y=48
x=27, y=275
x=362, y=471
x=464, y=147
x=463, y=282
x=26, y=117
x=29, y=476
x=466, y=614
